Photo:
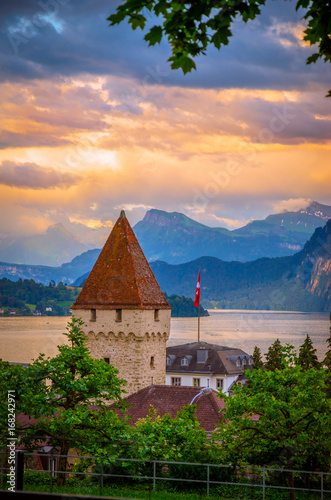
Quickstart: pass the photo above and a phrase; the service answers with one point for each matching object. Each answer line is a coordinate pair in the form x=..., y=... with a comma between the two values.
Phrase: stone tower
x=126, y=316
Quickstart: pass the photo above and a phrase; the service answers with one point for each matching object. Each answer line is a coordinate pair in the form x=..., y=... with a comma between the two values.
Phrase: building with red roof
x=126, y=316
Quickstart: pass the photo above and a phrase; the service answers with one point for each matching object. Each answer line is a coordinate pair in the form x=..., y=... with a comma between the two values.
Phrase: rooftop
x=167, y=399
x=121, y=277
x=202, y=357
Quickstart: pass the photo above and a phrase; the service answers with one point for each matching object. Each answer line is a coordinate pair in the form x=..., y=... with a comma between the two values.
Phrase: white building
x=200, y=364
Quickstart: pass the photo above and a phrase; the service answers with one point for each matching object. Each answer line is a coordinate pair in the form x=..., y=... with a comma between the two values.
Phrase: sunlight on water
x=22, y=339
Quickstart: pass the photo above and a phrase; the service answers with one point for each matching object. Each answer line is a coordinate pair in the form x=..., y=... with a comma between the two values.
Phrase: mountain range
x=174, y=238
x=299, y=282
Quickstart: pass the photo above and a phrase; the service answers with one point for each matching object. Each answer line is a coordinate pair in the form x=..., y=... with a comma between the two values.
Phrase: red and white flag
x=197, y=293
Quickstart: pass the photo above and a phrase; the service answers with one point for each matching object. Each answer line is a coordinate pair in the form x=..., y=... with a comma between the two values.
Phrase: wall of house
x=205, y=380
x=136, y=346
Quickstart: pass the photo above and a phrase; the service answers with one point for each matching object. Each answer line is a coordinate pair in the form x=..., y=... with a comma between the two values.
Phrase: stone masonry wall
x=136, y=346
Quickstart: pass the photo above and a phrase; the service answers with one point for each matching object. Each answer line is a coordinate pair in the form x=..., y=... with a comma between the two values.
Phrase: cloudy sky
x=93, y=120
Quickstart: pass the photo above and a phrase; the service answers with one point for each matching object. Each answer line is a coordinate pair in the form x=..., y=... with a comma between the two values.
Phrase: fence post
x=263, y=485
x=50, y=461
x=101, y=479
x=322, y=486
x=207, y=480
x=154, y=474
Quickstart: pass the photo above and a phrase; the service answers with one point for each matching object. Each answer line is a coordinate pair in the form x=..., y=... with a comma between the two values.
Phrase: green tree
x=67, y=397
x=257, y=358
x=294, y=418
x=274, y=357
x=327, y=362
x=166, y=438
x=307, y=355
x=192, y=26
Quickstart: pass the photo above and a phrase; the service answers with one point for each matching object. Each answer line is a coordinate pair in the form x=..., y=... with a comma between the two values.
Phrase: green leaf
x=137, y=21
x=184, y=62
x=154, y=35
x=312, y=59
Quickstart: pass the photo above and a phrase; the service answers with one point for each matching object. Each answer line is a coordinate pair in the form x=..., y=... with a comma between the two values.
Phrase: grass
x=144, y=492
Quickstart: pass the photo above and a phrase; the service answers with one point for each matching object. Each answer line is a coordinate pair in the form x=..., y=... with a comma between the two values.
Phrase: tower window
x=118, y=314
x=152, y=363
x=106, y=360
x=156, y=315
x=93, y=315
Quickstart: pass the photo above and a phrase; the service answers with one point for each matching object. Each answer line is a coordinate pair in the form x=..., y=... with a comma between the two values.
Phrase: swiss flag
x=197, y=293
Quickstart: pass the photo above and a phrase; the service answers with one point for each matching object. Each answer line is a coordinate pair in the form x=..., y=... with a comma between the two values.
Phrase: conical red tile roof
x=121, y=277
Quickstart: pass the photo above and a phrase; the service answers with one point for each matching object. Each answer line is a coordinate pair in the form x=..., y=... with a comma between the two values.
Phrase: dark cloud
x=76, y=39
x=16, y=140
x=32, y=176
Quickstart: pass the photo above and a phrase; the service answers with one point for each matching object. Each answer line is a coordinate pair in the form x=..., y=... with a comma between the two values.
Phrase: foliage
x=183, y=307
x=307, y=355
x=327, y=363
x=274, y=356
x=257, y=358
x=192, y=26
x=18, y=294
x=294, y=418
x=166, y=438
x=65, y=398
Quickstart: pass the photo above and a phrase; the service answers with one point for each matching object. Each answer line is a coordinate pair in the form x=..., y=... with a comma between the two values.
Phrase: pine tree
x=307, y=355
x=327, y=363
x=327, y=359
x=274, y=357
x=257, y=358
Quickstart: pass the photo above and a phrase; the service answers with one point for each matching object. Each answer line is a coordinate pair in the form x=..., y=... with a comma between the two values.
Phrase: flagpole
x=199, y=323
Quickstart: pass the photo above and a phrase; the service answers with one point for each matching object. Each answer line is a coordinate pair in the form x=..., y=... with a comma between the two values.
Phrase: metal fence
x=261, y=479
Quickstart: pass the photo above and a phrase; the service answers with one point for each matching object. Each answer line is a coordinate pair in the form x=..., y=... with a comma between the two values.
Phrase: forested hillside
x=28, y=297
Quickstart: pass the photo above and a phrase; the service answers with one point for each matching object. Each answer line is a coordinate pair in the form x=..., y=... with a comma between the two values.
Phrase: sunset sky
x=93, y=120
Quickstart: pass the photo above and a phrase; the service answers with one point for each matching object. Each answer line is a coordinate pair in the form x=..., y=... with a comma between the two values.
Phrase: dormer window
x=156, y=315
x=118, y=315
x=238, y=362
x=184, y=361
x=245, y=361
x=168, y=361
x=93, y=315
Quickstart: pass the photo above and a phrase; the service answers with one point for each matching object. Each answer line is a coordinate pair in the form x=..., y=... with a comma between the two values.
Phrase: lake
x=22, y=338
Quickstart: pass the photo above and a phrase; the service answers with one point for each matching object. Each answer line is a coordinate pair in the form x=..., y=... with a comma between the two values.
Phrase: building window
x=238, y=362
x=118, y=314
x=93, y=314
x=219, y=383
x=202, y=355
x=196, y=382
x=106, y=360
x=156, y=315
x=152, y=363
x=184, y=361
x=176, y=381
